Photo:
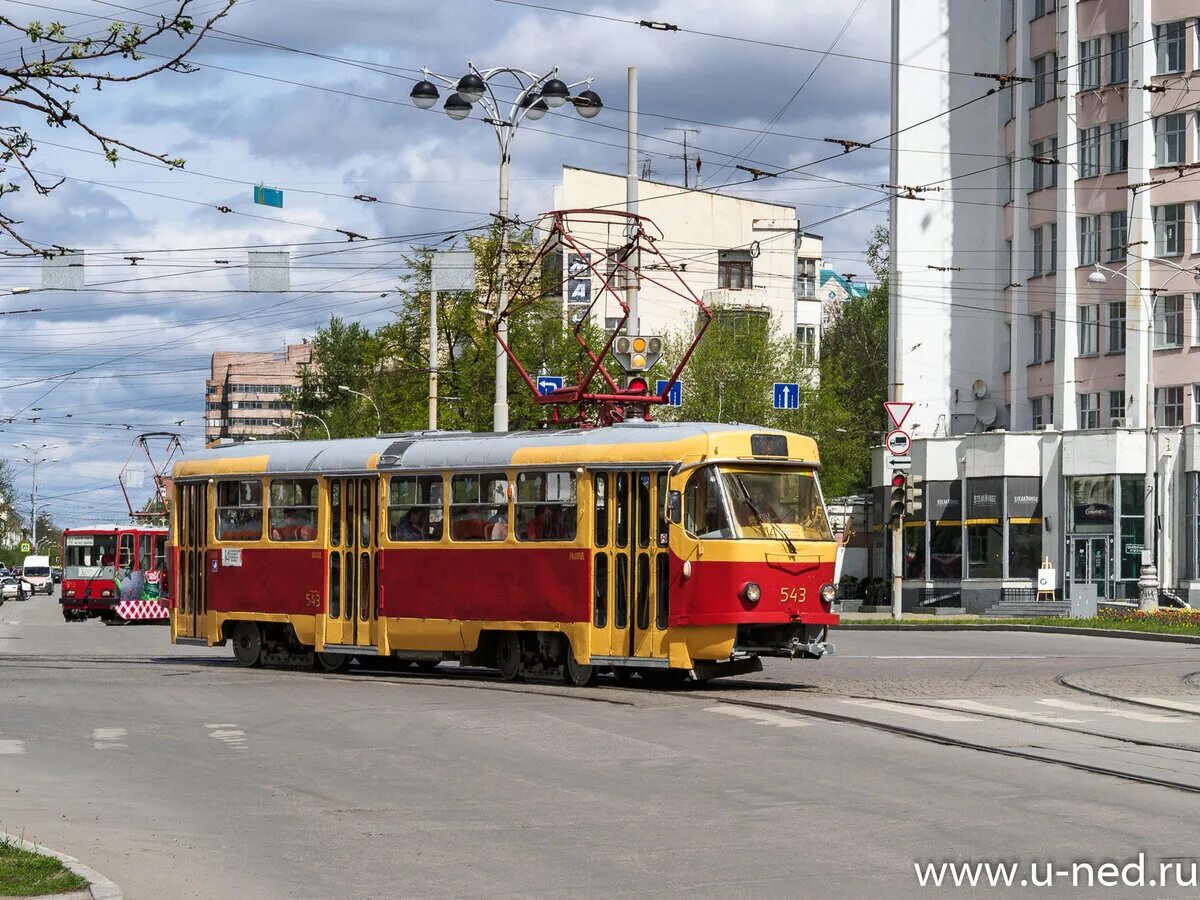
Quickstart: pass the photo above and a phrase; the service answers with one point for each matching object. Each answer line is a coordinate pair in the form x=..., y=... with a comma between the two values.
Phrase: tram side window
x=125, y=552
x=239, y=510
x=600, y=489
x=415, y=508
x=703, y=514
x=293, y=512
x=546, y=506
x=479, y=507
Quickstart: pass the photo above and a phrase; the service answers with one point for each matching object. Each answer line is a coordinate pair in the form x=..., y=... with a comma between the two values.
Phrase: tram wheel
x=576, y=674
x=508, y=655
x=247, y=644
x=330, y=662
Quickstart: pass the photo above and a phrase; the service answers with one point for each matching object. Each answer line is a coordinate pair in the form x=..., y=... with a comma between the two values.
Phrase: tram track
x=1063, y=680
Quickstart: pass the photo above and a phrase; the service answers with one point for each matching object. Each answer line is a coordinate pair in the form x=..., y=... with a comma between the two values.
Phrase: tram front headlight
x=69, y=594
x=106, y=594
x=828, y=593
x=751, y=592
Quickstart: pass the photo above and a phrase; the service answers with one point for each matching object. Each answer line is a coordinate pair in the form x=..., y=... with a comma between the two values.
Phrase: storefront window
x=944, y=508
x=1133, y=529
x=914, y=551
x=1192, y=514
x=1024, y=550
x=985, y=551
x=1092, y=504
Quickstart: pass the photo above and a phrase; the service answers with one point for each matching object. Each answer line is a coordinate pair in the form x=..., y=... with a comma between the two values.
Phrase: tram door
x=192, y=573
x=635, y=566
x=352, y=589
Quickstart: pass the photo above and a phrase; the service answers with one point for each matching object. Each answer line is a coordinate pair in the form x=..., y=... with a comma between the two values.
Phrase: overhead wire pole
x=34, y=460
x=633, y=272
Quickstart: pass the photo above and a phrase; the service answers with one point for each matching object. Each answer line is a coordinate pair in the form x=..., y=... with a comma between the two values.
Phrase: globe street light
x=536, y=95
x=1148, y=584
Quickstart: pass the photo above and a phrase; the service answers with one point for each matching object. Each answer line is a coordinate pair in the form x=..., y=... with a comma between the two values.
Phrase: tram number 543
x=793, y=594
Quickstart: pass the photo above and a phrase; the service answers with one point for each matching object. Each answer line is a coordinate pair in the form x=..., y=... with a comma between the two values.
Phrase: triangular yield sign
x=897, y=411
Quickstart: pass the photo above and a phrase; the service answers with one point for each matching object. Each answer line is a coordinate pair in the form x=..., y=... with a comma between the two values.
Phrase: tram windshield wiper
x=774, y=527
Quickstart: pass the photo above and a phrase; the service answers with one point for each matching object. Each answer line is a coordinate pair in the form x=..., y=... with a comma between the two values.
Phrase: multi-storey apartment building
x=247, y=394
x=1044, y=284
x=729, y=250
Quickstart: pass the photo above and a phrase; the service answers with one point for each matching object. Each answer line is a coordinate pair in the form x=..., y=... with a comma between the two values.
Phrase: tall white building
x=1037, y=224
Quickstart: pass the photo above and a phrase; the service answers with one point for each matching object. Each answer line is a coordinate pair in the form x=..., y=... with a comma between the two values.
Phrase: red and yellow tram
x=649, y=548
x=117, y=573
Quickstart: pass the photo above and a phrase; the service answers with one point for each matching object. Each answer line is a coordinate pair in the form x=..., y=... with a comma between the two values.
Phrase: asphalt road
x=180, y=775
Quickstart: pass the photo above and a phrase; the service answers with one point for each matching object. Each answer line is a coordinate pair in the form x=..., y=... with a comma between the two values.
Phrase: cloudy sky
x=312, y=97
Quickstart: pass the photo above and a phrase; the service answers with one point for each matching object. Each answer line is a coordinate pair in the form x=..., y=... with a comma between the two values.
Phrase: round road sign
x=899, y=443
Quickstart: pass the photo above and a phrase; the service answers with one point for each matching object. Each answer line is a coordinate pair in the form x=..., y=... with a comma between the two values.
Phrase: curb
x=99, y=887
x=1038, y=629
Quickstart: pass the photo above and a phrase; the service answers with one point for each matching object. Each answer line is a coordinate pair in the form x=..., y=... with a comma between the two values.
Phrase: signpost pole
x=433, y=359
x=897, y=567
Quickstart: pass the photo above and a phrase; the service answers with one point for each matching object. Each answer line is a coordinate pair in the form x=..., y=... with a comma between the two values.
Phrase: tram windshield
x=90, y=556
x=765, y=504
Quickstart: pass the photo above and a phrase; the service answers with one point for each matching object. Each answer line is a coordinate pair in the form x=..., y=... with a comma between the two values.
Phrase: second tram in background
x=116, y=573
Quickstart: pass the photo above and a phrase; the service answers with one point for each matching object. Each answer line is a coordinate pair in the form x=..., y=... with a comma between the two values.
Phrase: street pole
x=33, y=507
x=633, y=324
x=1148, y=577
x=433, y=358
x=500, y=410
x=897, y=567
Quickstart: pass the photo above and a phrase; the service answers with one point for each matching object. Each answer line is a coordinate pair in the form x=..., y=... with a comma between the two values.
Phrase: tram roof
x=115, y=526
x=630, y=442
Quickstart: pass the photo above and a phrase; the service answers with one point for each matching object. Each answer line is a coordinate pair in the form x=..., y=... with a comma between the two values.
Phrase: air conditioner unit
x=1116, y=423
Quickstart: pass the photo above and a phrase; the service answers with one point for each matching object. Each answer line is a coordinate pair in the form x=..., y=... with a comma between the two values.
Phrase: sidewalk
x=99, y=887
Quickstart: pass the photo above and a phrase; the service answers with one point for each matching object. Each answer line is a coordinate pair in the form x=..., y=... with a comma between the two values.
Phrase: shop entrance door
x=1091, y=563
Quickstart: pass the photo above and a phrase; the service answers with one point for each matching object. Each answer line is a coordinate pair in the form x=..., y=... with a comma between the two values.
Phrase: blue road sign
x=265, y=196
x=787, y=395
x=548, y=384
x=675, y=398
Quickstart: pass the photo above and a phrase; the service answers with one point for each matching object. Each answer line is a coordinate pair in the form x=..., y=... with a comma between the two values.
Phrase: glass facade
x=1106, y=520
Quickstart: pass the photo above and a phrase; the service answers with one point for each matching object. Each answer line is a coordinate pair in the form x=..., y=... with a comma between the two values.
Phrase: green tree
x=848, y=412
x=730, y=376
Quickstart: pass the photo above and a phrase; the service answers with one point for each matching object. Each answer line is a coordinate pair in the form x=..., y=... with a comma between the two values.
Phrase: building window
x=806, y=275
x=1089, y=330
x=1052, y=258
x=1010, y=168
x=1036, y=328
x=914, y=551
x=735, y=270
x=1089, y=64
x=1089, y=411
x=1116, y=327
x=1040, y=7
x=1168, y=229
x=1170, y=139
x=1089, y=240
x=1036, y=246
x=1118, y=235
x=1043, y=87
x=1168, y=406
x=1196, y=325
x=1009, y=254
x=1118, y=146
x=806, y=344
x=1089, y=152
x=1196, y=211
x=1116, y=408
x=1053, y=335
x=1196, y=404
x=1168, y=322
x=1035, y=408
x=1169, y=47
x=1037, y=150
x=1053, y=181
x=1118, y=57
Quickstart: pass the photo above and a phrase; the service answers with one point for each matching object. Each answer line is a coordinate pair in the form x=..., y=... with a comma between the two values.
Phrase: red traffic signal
x=899, y=479
x=637, y=385
x=896, y=502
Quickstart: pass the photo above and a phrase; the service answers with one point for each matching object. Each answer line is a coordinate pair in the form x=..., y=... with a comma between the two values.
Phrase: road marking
x=11, y=748
x=918, y=711
x=976, y=656
x=976, y=706
x=758, y=716
x=109, y=739
x=1172, y=704
x=229, y=734
x=1119, y=713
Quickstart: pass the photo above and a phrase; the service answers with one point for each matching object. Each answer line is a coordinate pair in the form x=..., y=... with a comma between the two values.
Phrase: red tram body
x=117, y=573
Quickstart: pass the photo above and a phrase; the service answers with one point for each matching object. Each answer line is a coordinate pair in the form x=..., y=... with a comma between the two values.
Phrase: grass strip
x=1171, y=625
x=27, y=874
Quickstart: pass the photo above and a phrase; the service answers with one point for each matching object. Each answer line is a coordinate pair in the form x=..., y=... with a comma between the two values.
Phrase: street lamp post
x=536, y=95
x=34, y=460
x=305, y=415
x=371, y=400
x=1148, y=583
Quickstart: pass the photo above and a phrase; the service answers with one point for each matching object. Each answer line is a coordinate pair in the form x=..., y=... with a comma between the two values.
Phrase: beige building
x=248, y=392
x=729, y=251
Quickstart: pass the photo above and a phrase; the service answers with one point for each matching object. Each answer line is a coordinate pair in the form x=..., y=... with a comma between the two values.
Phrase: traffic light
x=637, y=385
x=912, y=496
x=637, y=353
x=899, y=495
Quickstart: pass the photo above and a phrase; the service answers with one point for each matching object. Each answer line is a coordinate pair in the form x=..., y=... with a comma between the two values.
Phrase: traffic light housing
x=636, y=385
x=637, y=352
x=898, y=498
x=913, y=496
